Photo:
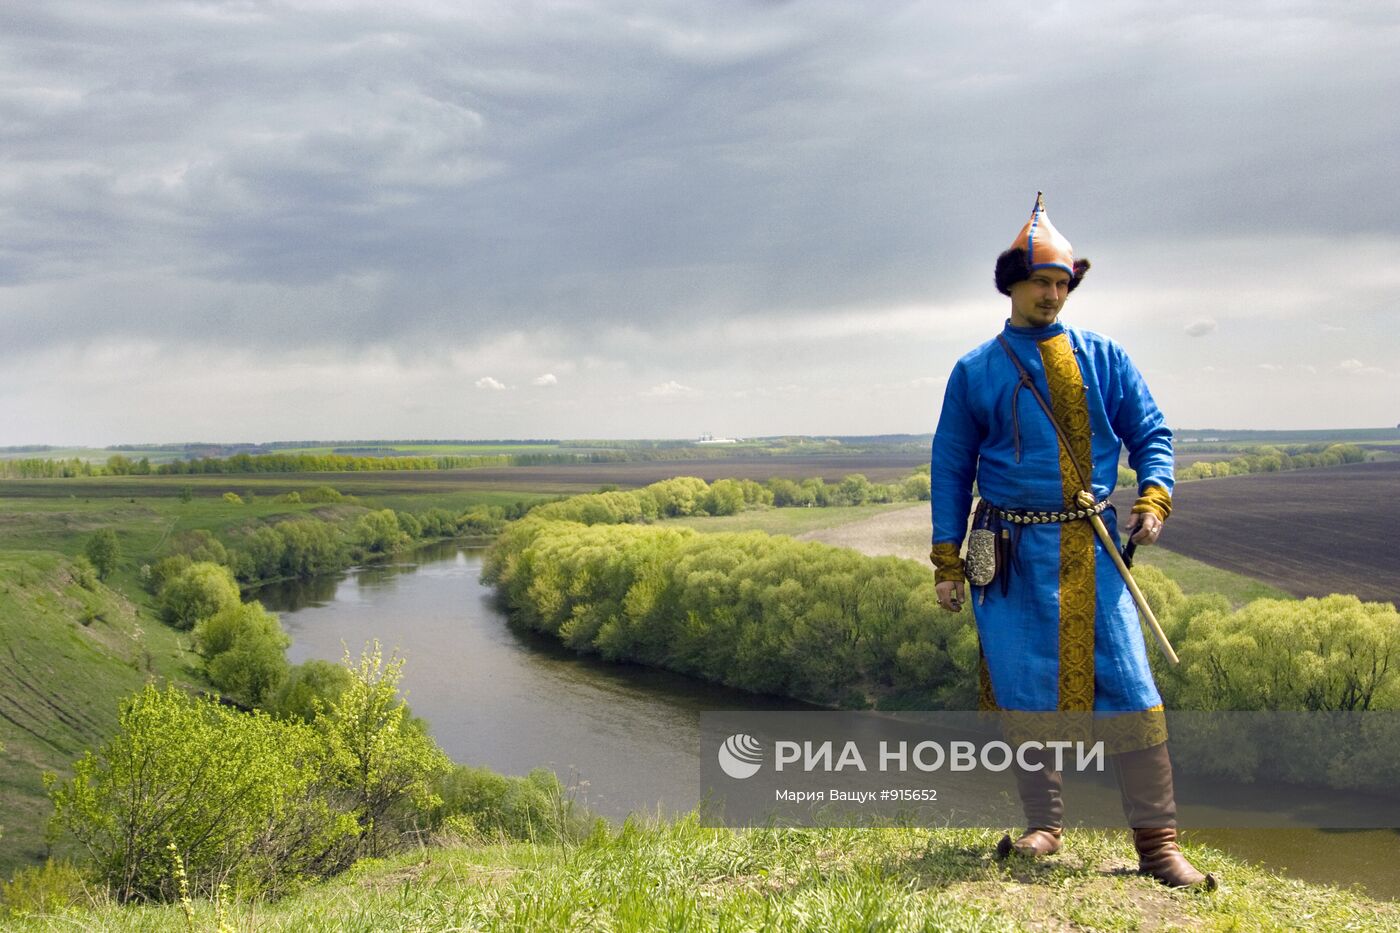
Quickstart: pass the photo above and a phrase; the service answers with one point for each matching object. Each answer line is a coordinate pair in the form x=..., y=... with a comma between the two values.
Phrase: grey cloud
x=276, y=175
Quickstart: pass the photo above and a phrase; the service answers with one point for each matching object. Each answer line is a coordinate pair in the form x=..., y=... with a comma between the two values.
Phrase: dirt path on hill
x=902, y=532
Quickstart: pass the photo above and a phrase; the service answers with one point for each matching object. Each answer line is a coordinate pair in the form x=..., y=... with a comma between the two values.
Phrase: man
x=1036, y=416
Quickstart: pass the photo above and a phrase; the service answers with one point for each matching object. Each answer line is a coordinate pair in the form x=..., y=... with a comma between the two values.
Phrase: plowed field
x=1309, y=532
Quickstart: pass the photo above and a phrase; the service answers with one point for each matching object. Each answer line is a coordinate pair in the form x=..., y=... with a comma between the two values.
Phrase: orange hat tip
x=1044, y=245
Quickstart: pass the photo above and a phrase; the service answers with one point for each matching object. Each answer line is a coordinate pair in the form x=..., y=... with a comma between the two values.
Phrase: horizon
x=890, y=437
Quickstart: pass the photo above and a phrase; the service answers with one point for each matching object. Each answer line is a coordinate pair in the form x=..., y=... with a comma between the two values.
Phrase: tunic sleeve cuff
x=946, y=563
x=1156, y=500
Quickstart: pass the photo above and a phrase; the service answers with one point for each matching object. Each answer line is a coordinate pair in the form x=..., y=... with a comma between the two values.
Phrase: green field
x=1193, y=576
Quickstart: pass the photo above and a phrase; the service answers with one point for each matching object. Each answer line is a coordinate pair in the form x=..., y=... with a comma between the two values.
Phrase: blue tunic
x=1066, y=635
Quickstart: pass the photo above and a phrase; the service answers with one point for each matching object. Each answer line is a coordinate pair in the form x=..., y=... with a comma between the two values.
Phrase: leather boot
x=1039, y=790
x=1149, y=803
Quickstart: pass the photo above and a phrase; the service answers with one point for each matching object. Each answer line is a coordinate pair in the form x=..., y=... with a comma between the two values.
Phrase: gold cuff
x=1154, y=499
x=947, y=563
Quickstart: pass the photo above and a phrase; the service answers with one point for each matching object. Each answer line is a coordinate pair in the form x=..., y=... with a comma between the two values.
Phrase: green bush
x=380, y=758
x=536, y=808
x=50, y=888
x=767, y=614
x=379, y=532
x=103, y=550
x=165, y=570
x=307, y=689
x=84, y=574
x=201, y=590
x=244, y=650
x=243, y=798
x=1335, y=653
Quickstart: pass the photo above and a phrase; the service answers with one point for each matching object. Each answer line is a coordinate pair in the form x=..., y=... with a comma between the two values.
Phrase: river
x=625, y=737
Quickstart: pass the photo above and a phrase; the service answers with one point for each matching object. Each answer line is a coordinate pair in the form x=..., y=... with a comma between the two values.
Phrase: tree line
x=801, y=619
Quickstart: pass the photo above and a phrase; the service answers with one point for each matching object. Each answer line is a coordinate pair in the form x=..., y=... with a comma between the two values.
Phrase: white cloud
x=1271, y=367
x=548, y=379
x=1357, y=368
x=1201, y=327
x=487, y=382
x=671, y=389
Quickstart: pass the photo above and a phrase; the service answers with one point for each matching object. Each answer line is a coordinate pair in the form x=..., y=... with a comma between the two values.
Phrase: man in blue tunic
x=1036, y=416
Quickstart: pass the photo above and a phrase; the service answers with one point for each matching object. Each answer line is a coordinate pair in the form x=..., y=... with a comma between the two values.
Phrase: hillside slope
x=68, y=656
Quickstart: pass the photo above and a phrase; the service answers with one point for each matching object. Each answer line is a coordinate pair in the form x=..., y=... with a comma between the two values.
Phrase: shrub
x=379, y=532
x=84, y=574
x=534, y=808
x=103, y=550
x=244, y=651
x=380, y=758
x=308, y=688
x=241, y=796
x=165, y=570
x=50, y=888
x=200, y=591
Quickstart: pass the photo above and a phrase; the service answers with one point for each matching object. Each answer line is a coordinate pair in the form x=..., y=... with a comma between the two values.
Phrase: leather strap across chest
x=1027, y=382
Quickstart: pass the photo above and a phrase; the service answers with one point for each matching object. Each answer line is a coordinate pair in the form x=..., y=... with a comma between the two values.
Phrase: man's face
x=1036, y=301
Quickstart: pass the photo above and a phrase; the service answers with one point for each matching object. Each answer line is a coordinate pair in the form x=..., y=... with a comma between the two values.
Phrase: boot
x=1039, y=790
x=1149, y=803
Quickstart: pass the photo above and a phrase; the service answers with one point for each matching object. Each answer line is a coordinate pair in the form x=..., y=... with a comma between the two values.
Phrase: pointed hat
x=1045, y=246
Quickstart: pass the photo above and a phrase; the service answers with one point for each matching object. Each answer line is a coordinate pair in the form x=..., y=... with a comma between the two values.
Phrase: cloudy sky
x=449, y=218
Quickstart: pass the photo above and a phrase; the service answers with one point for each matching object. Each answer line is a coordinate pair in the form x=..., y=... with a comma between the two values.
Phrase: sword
x=1086, y=500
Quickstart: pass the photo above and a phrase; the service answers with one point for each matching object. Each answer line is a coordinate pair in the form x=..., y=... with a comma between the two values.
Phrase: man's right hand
x=950, y=595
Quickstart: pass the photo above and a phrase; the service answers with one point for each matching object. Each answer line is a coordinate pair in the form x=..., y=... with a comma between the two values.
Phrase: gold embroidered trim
x=1154, y=499
x=986, y=698
x=1077, y=585
x=1119, y=732
x=948, y=565
x=1128, y=732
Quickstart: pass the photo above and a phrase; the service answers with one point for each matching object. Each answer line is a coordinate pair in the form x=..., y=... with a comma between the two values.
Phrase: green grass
x=63, y=681
x=683, y=877
x=94, y=454
x=787, y=521
x=427, y=450
x=1193, y=576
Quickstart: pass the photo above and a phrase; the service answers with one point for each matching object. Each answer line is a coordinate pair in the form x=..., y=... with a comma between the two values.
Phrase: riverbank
x=681, y=876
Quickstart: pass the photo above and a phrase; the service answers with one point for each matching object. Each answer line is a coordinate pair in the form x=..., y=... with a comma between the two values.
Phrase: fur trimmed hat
x=1014, y=266
x=1038, y=246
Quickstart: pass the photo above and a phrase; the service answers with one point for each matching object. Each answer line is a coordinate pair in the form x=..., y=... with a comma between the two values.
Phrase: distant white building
x=711, y=439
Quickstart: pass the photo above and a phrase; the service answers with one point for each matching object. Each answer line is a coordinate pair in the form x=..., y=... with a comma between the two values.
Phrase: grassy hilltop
x=683, y=877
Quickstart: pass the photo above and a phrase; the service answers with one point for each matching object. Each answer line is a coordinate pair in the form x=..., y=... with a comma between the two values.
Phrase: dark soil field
x=1309, y=532
x=568, y=479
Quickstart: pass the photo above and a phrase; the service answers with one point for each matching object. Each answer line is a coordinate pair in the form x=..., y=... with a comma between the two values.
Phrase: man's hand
x=950, y=595
x=1143, y=528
